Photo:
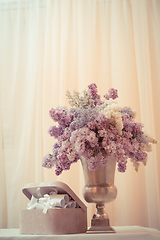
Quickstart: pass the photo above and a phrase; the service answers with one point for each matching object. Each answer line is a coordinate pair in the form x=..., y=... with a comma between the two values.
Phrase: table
x=122, y=233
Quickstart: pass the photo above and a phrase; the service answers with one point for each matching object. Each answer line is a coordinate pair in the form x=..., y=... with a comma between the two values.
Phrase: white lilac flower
x=48, y=161
x=147, y=147
x=78, y=101
x=112, y=112
x=71, y=154
x=135, y=164
x=92, y=139
x=80, y=146
x=150, y=139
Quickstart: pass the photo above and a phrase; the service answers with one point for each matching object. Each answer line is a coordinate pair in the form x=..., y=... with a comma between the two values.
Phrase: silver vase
x=100, y=189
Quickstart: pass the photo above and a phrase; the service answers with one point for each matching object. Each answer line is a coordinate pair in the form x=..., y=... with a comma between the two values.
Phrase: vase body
x=100, y=189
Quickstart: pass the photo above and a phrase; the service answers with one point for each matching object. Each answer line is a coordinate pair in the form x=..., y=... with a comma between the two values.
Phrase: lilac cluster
x=92, y=89
x=112, y=93
x=82, y=117
x=55, y=131
x=97, y=131
x=62, y=116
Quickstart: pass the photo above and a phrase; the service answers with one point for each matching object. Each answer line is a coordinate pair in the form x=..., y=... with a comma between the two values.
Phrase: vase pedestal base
x=94, y=230
x=100, y=221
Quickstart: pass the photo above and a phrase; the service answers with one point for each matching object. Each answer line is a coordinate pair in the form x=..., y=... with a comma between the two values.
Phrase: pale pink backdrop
x=50, y=46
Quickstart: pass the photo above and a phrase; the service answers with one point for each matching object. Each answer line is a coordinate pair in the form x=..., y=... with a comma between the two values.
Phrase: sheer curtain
x=50, y=46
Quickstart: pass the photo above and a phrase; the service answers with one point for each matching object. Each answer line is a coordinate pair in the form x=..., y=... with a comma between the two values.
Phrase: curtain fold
x=50, y=46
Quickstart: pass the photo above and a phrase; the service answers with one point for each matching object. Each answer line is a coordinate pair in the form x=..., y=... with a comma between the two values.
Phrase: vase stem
x=100, y=213
x=100, y=221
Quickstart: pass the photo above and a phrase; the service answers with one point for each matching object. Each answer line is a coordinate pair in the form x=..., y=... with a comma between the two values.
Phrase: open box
x=55, y=221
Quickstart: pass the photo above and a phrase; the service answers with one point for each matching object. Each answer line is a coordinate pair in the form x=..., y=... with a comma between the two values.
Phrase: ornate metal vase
x=100, y=189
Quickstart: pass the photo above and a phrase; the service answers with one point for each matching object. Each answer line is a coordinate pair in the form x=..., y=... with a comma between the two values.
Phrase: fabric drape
x=50, y=46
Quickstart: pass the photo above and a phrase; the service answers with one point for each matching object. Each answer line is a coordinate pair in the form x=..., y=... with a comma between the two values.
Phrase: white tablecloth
x=122, y=233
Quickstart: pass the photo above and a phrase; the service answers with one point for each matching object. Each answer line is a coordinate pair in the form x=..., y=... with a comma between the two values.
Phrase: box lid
x=38, y=190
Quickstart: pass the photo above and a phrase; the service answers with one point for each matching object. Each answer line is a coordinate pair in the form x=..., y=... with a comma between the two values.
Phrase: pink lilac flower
x=61, y=116
x=92, y=163
x=101, y=121
x=106, y=96
x=96, y=130
x=91, y=125
x=102, y=133
x=122, y=166
x=128, y=111
x=104, y=160
x=82, y=117
x=140, y=155
x=127, y=146
x=55, y=131
x=80, y=146
x=92, y=89
x=71, y=154
x=56, y=146
x=63, y=161
x=48, y=161
x=89, y=153
x=92, y=139
x=58, y=170
x=112, y=93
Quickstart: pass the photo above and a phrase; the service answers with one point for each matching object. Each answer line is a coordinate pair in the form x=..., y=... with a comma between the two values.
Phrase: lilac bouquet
x=96, y=130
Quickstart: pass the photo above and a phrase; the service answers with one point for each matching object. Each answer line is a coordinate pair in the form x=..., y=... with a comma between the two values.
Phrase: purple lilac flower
x=102, y=133
x=64, y=162
x=111, y=148
x=61, y=116
x=92, y=89
x=101, y=121
x=56, y=145
x=106, y=96
x=141, y=138
x=111, y=135
x=127, y=146
x=47, y=161
x=76, y=158
x=113, y=129
x=92, y=163
x=83, y=116
x=122, y=167
x=91, y=125
x=104, y=160
x=137, y=127
x=128, y=111
x=55, y=131
x=80, y=146
x=66, y=135
x=126, y=135
x=92, y=139
x=61, y=139
x=112, y=93
x=58, y=170
x=52, y=113
x=128, y=123
x=55, y=151
x=89, y=153
x=140, y=156
x=85, y=131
